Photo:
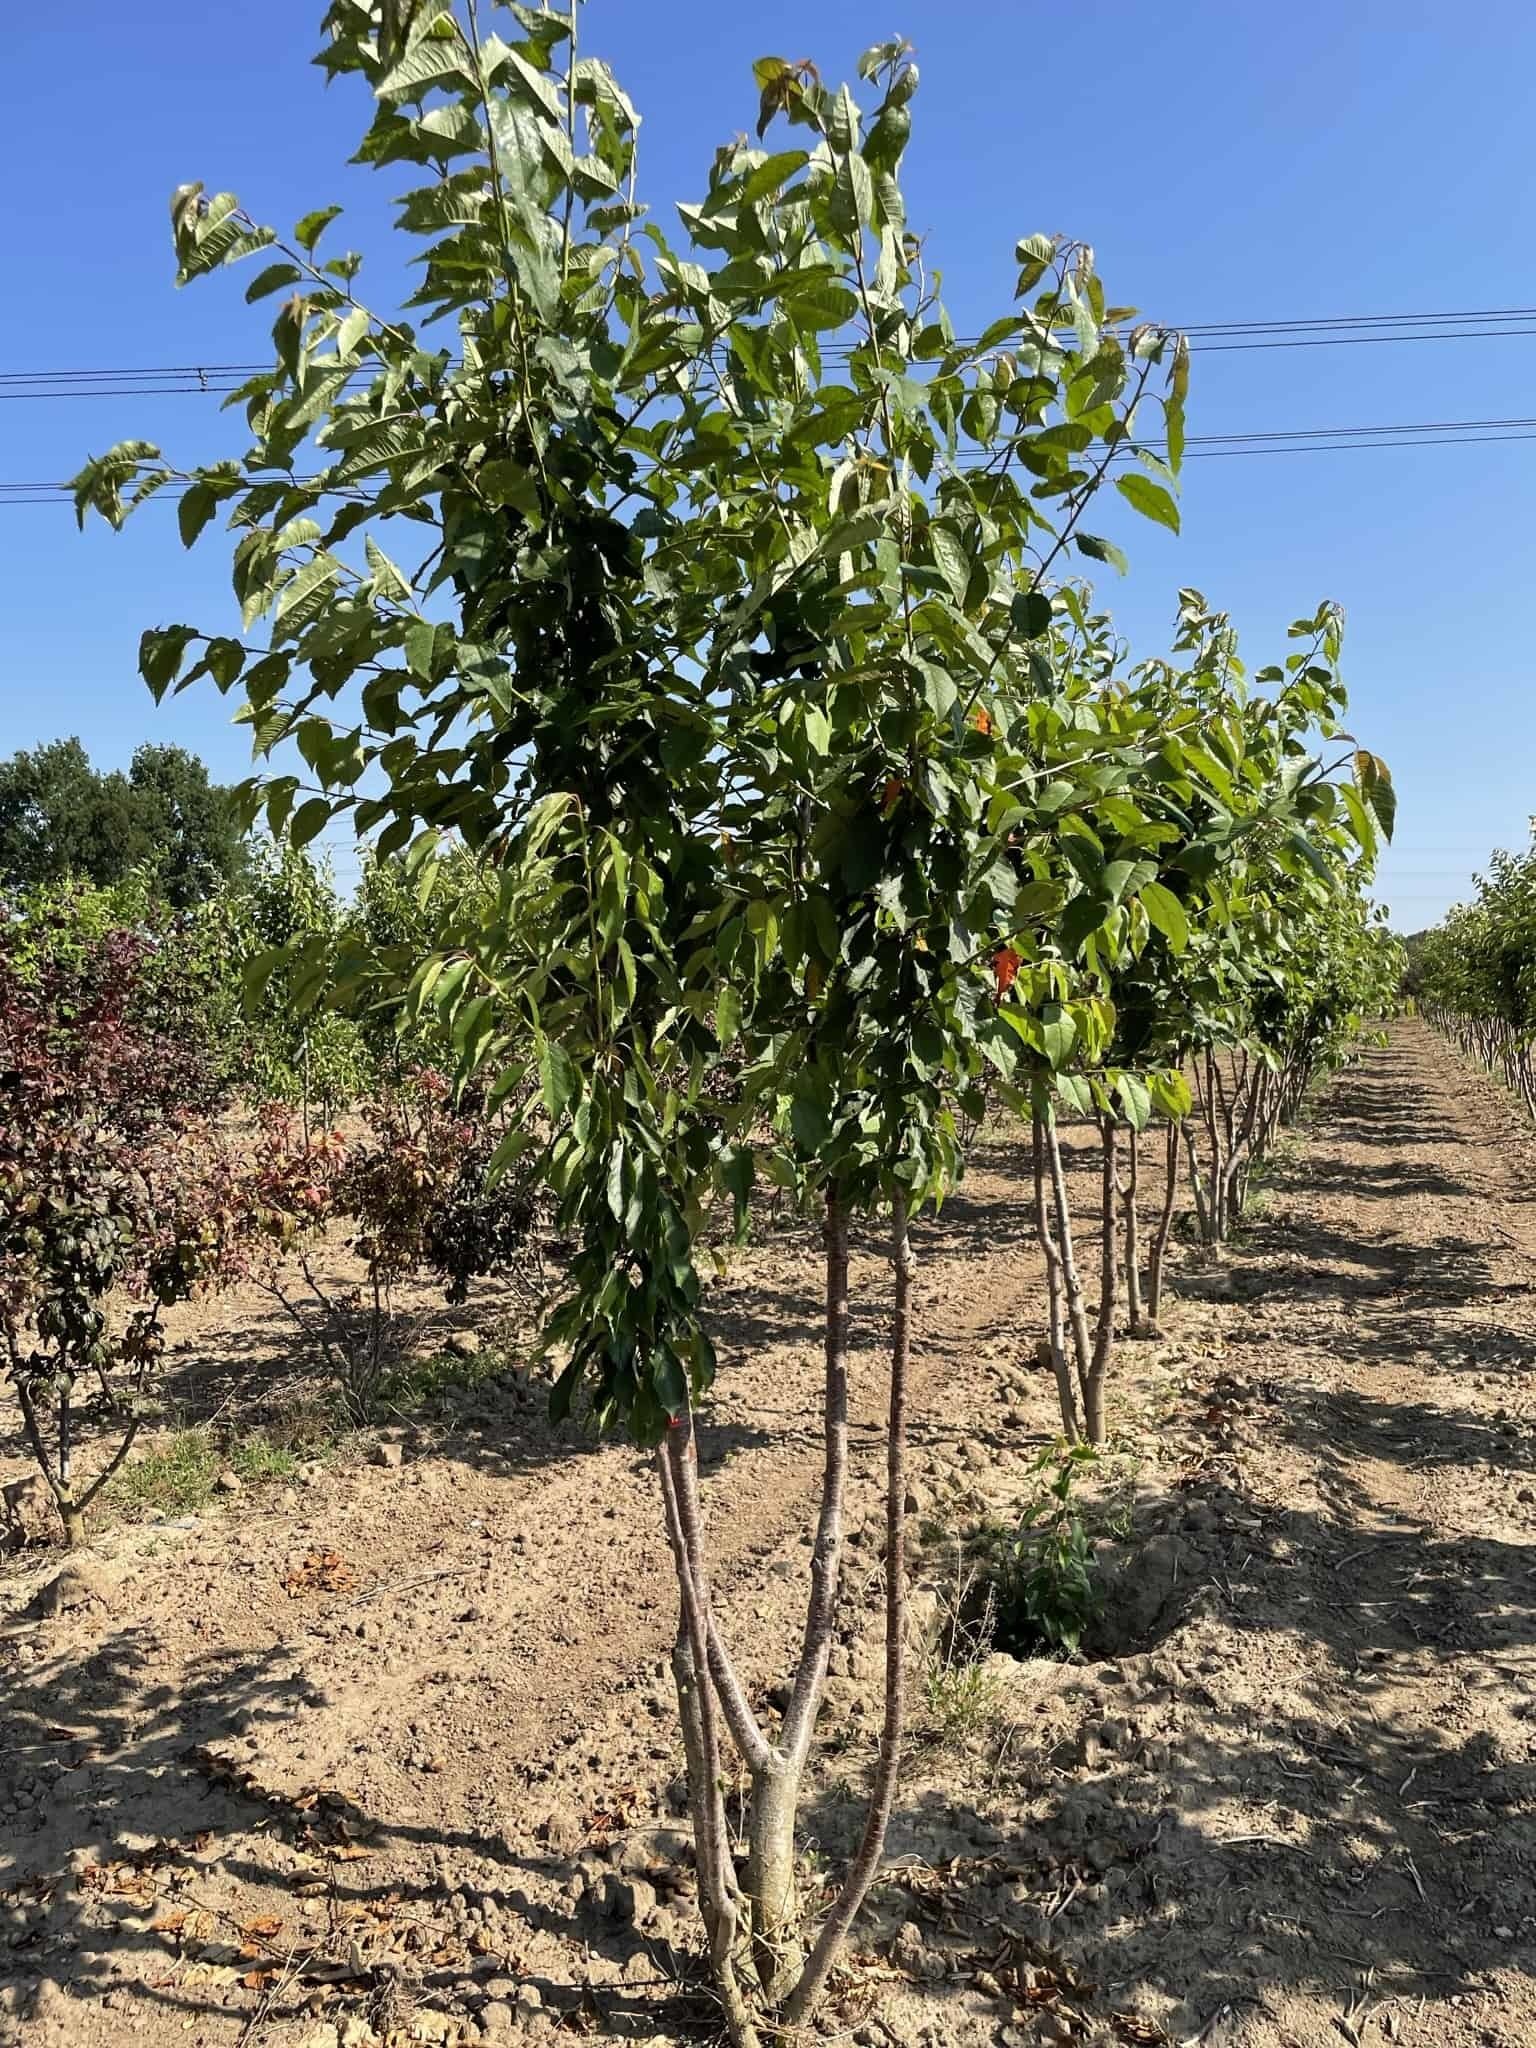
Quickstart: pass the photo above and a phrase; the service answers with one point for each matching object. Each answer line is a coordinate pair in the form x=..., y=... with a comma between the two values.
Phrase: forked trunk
x=777, y=1773
x=753, y=1927
x=678, y=1462
x=58, y=1469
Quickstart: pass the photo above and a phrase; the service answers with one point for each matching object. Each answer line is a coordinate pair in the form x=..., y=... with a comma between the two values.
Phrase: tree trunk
x=1197, y=1186
x=776, y=1777
x=678, y=1464
x=1109, y=1288
x=1135, y=1314
x=1217, y=1179
x=802, y=2000
x=1077, y=1314
x=1158, y=1249
x=1055, y=1293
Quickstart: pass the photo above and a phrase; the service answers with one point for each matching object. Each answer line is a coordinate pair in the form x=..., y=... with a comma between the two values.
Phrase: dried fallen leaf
x=319, y=1571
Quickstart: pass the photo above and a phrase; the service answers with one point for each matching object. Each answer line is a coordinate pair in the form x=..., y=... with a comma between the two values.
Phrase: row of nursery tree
x=1474, y=975
x=723, y=608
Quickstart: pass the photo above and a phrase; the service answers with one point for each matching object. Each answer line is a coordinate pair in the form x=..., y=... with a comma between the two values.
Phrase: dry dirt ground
x=391, y=1756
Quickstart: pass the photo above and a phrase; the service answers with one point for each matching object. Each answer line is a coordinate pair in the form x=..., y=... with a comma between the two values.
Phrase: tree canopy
x=60, y=817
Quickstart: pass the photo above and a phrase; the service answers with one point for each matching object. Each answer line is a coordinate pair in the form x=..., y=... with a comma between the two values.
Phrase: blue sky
x=1227, y=163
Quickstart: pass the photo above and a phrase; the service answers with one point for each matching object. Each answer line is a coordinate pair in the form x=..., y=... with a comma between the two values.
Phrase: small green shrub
x=254, y=1459
x=1044, y=1580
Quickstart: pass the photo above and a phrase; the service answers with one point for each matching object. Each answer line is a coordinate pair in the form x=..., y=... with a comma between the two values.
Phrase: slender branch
x=826, y=1558
x=883, y=1792
x=1065, y=1393
x=34, y=1435
x=113, y=1465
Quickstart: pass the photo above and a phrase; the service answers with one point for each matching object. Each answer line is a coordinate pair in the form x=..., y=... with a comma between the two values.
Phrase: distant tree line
x=62, y=818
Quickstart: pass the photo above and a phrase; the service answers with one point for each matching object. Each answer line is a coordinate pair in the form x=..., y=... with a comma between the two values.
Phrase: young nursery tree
x=1217, y=839
x=105, y=1081
x=1475, y=974
x=704, y=594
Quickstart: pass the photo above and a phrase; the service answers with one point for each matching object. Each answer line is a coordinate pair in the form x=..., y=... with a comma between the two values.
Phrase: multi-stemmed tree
x=713, y=594
x=704, y=592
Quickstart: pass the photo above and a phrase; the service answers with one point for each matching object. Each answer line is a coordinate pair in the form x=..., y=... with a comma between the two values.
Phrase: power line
x=1334, y=331
x=1352, y=440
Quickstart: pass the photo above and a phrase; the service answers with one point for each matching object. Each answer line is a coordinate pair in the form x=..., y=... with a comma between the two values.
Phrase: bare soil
x=392, y=1755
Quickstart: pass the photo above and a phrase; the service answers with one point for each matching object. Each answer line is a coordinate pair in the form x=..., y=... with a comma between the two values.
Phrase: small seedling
x=1046, y=1585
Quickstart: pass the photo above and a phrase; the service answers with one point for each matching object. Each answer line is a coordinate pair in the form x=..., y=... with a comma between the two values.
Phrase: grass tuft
x=178, y=1475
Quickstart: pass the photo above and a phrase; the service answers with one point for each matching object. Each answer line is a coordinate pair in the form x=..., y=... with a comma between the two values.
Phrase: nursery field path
x=1341, y=1721
x=358, y=1753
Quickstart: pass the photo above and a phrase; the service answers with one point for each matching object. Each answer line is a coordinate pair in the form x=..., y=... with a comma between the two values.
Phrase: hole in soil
x=1033, y=1595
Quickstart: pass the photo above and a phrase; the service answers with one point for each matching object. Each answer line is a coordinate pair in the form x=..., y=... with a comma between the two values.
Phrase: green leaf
x=225, y=659
x=727, y=1015
x=434, y=61
x=198, y=504
x=420, y=640
x=309, y=821
x=1099, y=550
x=388, y=581
x=275, y=278
x=313, y=226
x=1150, y=499
x=1032, y=613
x=161, y=652
x=557, y=1077
x=1135, y=1100
x=1166, y=913
x=311, y=580
x=1170, y=1092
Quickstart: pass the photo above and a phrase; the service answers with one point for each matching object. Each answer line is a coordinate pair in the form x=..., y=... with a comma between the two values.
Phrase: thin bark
x=1157, y=1251
x=1077, y=1314
x=776, y=1777
x=1217, y=1180
x=1109, y=1289
x=71, y=1505
x=1135, y=1313
x=1065, y=1392
x=1197, y=1185
x=826, y=1557
x=696, y=1702
x=866, y=1862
